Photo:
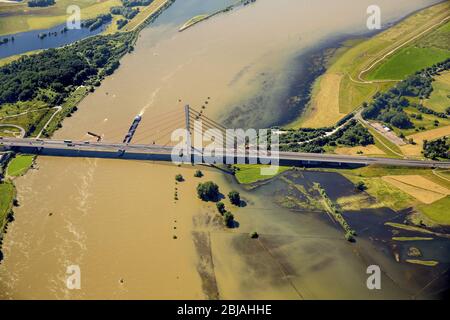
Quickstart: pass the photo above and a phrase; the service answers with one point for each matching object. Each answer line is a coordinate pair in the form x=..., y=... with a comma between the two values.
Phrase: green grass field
x=438, y=211
x=407, y=61
x=19, y=165
x=7, y=193
x=440, y=97
x=248, y=173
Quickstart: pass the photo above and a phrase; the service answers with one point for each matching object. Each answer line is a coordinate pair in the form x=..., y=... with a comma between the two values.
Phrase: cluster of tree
x=97, y=22
x=337, y=214
x=426, y=110
x=121, y=23
x=438, y=148
x=136, y=3
x=61, y=70
x=128, y=13
x=6, y=40
x=228, y=217
x=352, y=134
x=198, y=174
x=302, y=134
x=208, y=191
x=235, y=198
x=40, y=3
x=388, y=107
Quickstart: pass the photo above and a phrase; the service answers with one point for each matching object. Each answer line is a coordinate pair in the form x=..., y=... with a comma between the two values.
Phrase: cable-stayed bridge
x=155, y=143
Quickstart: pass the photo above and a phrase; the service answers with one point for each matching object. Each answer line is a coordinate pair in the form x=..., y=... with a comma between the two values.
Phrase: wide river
x=117, y=219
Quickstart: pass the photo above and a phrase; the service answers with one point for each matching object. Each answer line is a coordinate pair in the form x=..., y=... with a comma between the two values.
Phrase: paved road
x=117, y=149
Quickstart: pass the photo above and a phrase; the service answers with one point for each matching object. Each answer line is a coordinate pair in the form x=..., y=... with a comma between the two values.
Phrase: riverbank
x=341, y=87
x=44, y=122
x=199, y=18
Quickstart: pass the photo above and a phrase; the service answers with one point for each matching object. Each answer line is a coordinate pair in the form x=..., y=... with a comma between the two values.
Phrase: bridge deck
x=163, y=153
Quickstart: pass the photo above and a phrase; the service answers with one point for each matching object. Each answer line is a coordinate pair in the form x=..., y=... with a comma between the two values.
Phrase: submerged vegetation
x=208, y=191
x=336, y=213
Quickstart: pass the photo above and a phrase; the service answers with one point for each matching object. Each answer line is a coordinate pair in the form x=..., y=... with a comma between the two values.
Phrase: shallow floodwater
x=117, y=219
x=30, y=40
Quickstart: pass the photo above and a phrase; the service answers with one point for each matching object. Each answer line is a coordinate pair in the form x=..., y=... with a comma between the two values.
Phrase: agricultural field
x=422, y=189
x=369, y=150
x=415, y=149
x=425, y=190
x=19, y=17
x=398, y=188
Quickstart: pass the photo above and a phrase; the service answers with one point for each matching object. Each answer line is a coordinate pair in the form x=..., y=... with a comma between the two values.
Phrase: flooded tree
x=235, y=197
x=208, y=191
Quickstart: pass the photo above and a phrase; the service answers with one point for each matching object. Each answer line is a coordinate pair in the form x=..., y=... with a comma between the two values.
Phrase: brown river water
x=116, y=219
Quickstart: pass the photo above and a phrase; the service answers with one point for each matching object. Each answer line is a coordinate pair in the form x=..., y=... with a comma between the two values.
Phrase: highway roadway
x=117, y=150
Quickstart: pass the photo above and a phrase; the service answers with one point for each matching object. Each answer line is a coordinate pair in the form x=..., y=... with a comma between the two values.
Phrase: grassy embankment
x=19, y=165
x=7, y=194
x=193, y=21
x=203, y=17
x=145, y=12
x=340, y=90
x=247, y=173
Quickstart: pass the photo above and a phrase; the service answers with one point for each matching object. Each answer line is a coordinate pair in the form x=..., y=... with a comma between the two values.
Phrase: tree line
x=352, y=134
x=389, y=107
x=40, y=3
x=53, y=74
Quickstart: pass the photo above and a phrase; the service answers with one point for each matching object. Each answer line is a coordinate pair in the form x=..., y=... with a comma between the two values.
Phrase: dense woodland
x=53, y=74
x=389, y=107
x=436, y=149
x=313, y=140
x=97, y=22
x=128, y=13
x=136, y=3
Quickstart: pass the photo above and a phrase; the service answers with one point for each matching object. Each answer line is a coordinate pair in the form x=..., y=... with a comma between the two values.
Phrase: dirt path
x=58, y=109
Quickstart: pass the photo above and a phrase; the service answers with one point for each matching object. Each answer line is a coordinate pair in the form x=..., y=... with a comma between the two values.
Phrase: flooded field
x=118, y=220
